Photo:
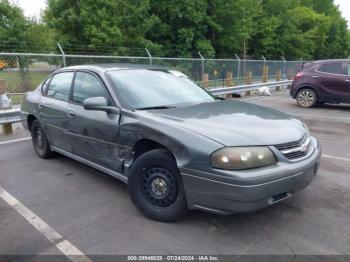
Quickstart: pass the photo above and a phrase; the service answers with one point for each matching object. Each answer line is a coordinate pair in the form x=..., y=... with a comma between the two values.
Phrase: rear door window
x=334, y=68
x=60, y=85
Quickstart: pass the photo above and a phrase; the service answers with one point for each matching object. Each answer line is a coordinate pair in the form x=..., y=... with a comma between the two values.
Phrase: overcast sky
x=33, y=7
x=344, y=6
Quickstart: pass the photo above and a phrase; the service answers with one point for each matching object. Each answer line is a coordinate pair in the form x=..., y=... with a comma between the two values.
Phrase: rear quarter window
x=334, y=68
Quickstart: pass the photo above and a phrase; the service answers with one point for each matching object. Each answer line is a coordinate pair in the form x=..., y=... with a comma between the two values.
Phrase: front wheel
x=307, y=98
x=156, y=188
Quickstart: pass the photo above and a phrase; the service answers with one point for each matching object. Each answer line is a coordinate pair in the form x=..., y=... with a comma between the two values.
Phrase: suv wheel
x=306, y=98
x=40, y=142
x=156, y=188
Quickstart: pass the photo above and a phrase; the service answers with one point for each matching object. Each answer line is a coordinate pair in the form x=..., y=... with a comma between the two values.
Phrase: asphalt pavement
x=93, y=212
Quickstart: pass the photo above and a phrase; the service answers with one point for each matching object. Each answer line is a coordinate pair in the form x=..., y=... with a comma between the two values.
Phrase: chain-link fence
x=23, y=72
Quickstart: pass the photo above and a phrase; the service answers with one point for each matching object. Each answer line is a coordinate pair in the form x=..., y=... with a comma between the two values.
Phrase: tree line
x=294, y=29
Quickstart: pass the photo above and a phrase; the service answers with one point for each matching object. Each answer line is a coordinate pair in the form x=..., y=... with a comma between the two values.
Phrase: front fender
x=190, y=150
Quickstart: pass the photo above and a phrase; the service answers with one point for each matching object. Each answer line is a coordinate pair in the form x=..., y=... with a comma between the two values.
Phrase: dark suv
x=321, y=82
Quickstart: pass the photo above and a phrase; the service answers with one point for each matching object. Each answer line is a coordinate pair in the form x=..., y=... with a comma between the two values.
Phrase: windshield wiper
x=155, y=107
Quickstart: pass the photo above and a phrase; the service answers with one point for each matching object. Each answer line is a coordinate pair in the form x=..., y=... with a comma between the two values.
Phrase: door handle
x=315, y=76
x=71, y=114
x=347, y=80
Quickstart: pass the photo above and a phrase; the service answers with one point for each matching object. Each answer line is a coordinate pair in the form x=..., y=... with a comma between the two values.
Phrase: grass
x=16, y=99
x=17, y=82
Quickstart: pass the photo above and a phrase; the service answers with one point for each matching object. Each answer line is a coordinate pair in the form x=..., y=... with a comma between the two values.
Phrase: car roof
x=330, y=61
x=113, y=67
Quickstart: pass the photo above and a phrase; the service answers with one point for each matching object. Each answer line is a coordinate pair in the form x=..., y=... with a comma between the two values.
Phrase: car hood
x=235, y=123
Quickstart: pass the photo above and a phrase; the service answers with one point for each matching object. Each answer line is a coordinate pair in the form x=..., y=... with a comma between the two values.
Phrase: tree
x=13, y=27
x=100, y=22
x=19, y=34
x=310, y=29
x=232, y=25
x=181, y=27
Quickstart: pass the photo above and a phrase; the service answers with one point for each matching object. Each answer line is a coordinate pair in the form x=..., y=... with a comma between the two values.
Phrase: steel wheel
x=306, y=98
x=159, y=187
x=155, y=186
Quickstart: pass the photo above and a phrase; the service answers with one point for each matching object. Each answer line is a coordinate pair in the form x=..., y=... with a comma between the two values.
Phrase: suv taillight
x=298, y=75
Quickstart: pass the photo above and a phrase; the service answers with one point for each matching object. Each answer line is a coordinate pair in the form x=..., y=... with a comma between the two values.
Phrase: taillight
x=298, y=75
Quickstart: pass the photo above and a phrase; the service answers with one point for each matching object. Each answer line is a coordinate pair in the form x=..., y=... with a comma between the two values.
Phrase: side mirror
x=219, y=98
x=99, y=104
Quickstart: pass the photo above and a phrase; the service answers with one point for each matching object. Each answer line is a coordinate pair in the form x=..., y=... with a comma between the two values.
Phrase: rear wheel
x=156, y=188
x=40, y=142
x=307, y=98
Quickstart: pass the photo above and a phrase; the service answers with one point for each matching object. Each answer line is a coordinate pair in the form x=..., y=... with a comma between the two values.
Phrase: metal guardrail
x=244, y=88
x=10, y=116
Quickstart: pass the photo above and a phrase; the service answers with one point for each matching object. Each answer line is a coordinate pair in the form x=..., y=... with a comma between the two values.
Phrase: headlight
x=238, y=158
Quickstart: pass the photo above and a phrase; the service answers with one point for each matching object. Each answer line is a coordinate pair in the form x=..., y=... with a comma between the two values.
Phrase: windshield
x=142, y=89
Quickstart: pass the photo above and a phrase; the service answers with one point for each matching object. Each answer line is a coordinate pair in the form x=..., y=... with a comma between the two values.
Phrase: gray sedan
x=176, y=146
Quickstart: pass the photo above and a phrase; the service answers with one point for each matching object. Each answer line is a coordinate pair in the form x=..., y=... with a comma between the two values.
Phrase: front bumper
x=268, y=186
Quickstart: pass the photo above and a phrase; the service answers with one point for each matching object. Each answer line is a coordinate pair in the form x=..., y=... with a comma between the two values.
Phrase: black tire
x=307, y=98
x=40, y=142
x=156, y=188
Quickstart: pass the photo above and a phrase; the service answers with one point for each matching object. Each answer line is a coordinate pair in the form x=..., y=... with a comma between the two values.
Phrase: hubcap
x=159, y=186
x=306, y=98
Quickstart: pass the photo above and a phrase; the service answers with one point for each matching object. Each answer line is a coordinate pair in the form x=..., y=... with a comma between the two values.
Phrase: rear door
x=53, y=106
x=93, y=134
x=334, y=80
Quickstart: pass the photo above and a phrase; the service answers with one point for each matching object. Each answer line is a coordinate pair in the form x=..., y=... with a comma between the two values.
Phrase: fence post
x=63, y=55
x=6, y=129
x=248, y=81
x=290, y=77
x=278, y=78
x=265, y=77
x=265, y=71
x=229, y=79
x=301, y=64
x=205, y=80
x=239, y=67
x=284, y=68
x=202, y=62
x=229, y=83
x=150, y=57
x=263, y=57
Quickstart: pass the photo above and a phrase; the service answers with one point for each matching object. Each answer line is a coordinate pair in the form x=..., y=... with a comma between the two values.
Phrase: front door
x=53, y=106
x=93, y=134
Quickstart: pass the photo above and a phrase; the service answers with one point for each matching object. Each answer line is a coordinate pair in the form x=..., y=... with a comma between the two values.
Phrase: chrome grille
x=297, y=149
